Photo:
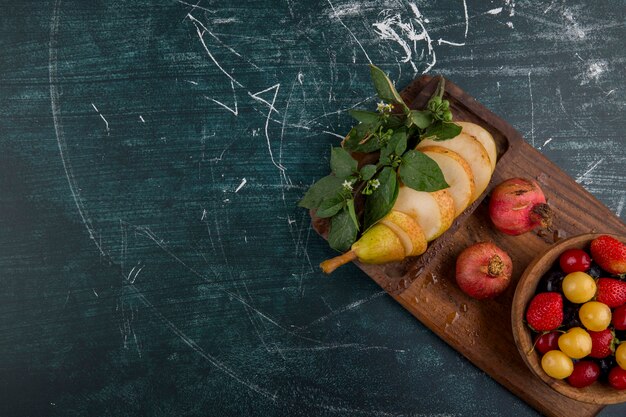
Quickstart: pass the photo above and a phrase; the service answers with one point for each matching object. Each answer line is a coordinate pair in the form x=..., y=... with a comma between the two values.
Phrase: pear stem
x=330, y=265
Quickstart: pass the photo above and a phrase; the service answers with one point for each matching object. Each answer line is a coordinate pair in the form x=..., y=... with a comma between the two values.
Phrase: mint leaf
x=341, y=163
x=419, y=118
x=368, y=117
x=368, y=172
x=361, y=138
x=421, y=173
x=441, y=131
x=352, y=212
x=380, y=202
x=331, y=206
x=384, y=87
x=342, y=231
x=329, y=185
x=396, y=145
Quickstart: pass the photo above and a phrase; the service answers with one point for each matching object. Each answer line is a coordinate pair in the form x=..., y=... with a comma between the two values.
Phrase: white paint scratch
x=196, y=348
x=532, y=110
x=546, y=142
x=53, y=69
x=344, y=309
x=234, y=111
x=349, y=31
x=334, y=134
x=200, y=32
x=243, y=182
x=620, y=205
x=276, y=88
x=141, y=118
x=593, y=166
x=106, y=123
x=443, y=41
x=495, y=11
x=195, y=6
x=466, y=18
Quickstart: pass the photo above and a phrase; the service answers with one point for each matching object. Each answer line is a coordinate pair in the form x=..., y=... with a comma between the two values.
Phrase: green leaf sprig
x=393, y=131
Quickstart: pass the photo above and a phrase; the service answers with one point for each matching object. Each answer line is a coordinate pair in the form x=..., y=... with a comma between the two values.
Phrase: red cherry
x=617, y=378
x=574, y=260
x=585, y=373
x=547, y=341
x=619, y=318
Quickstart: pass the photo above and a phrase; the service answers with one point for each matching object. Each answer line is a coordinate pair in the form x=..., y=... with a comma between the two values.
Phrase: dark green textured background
x=136, y=280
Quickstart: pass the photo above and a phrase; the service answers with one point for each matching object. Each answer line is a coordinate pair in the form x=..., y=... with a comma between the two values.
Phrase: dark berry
x=570, y=316
x=605, y=364
x=551, y=281
x=585, y=373
x=595, y=271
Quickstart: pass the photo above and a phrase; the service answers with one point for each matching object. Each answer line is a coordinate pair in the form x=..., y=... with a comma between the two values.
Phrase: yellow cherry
x=576, y=343
x=579, y=287
x=557, y=364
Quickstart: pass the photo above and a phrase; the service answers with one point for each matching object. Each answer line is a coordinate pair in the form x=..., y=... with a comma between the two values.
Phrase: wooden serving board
x=425, y=286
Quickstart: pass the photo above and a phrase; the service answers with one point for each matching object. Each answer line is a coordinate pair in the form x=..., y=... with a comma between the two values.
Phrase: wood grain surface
x=153, y=260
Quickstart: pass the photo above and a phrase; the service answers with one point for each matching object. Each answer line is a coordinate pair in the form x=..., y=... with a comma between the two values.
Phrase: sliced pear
x=409, y=232
x=434, y=212
x=474, y=154
x=457, y=174
x=484, y=137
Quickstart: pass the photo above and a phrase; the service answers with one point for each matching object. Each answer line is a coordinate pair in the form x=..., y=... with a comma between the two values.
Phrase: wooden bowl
x=597, y=393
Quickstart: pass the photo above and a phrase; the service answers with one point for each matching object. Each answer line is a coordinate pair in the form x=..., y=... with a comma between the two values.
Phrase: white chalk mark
x=192, y=82
x=495, y=11
x=243, y=182
x=571, y=119
x=234, y=111
x=141, y=118
x=95, y=293
x=53, y=69
x=532, y=110
x=351, y=33
x=356, y=346
x=609, y=93
x=262, y=100
x=593, y=166
x=443, y=41
x=276, y=88
x=106, y=123
x=195, y=347
x=334, y=134
x=386, y=30
x=195, y=6
x=344, y=309
x=620, y=205
x=199, y=25
x=466, y=17
x=546, y=142
x=338, y=111
x=300, y=77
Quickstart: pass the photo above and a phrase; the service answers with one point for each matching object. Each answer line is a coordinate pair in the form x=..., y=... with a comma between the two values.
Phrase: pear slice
x=393, y=238
x=434, y=212
x=484, y=137
x=408, y=231
x=473, y=153
x=379, y=245
x=457, y=174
